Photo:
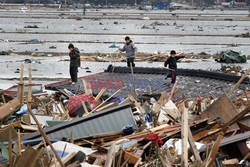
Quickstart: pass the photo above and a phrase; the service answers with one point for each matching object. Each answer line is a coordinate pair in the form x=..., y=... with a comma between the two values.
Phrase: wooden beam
x=164, y=159
x=138, y=162
x=213, y=152
x=38, y=124
x=137, y=104
x=193, y=146
x=85, y=109
x=184, y=137
x=29, y=98
x=172, y=91
x=238, y=83
x=236, y=118
x=20, y=93
x=110, y=105
x=110, y=156
x=9, y=108
x=99, y=95
x=86, y=90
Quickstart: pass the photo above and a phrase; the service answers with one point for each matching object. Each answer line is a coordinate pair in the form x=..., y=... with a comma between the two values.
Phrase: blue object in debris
x=118, y=99
x=113, y=46
x=61, y=153
x=23, y=110
x=127, y=130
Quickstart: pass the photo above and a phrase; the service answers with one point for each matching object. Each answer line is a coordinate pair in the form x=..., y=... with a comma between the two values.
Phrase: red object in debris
x=155, y=139
x=76, y=101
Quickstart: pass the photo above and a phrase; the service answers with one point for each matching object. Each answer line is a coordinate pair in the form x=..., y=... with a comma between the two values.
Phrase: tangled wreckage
x=128, y=117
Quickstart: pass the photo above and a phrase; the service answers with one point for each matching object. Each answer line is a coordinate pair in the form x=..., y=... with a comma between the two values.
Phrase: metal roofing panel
x=110, y=120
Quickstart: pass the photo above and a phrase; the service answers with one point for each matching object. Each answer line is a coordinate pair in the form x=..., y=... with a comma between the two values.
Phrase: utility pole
x=135, y=2
x=106, y=2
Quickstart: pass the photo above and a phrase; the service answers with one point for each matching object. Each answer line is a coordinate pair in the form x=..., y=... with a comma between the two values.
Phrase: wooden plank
x=85, y=109
x=172, y=91
x=110, y=105
x=138, y=162
x=222, y=108
x=164, y=164
x=184, y=138
x=162, y=101
x=236, y=118
x=213, y=152
x=9, y=108
x=28, y=158
x=29, y=98
x=193, y=146
x=131, y=157
x=85, y=85
x=110, y=156
x=99, y=95
x=165, y=161
x=39, y=126
x=5, y=133
x=137, y=104
x=168, y=154
x=65, y=159
x=238, y=83
x=29, y=128
x=20, y=93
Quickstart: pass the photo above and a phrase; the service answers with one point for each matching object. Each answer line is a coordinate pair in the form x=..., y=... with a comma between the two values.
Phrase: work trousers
x=73, y=73
x=130, y=60
x=173, y=75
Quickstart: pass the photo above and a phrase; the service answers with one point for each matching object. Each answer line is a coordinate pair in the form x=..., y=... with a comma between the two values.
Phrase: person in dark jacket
x=130, y=49
x=172, y=63
x=75, y=62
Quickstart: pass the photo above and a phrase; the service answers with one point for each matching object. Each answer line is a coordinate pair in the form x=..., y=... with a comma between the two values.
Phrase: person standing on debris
x=172, y=63
x=130, y=49
x=75, y=62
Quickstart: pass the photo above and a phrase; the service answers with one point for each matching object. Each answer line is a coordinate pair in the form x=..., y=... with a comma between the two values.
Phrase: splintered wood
x=164, y=129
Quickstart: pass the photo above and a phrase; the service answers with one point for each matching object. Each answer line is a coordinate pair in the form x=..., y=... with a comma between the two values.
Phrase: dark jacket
x=75, y=58
x=130, y=49
x=172, y=62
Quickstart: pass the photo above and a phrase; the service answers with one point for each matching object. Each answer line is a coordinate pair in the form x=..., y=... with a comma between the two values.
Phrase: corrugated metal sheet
x=111, y=120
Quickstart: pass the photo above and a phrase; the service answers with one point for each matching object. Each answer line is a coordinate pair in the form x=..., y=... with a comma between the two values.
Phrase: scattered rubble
x=92, y=129
x=231, y=56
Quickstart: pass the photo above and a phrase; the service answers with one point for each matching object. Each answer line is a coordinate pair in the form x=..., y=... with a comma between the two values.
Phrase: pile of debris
x=86, y=129
x=231, y=56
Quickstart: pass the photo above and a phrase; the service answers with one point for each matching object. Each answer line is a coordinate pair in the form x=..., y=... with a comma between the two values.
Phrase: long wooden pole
x=21, y=85
x=38, y=124
x=238, y=83
x=29, y=97
x=184, y=137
